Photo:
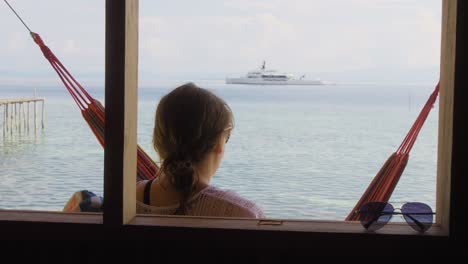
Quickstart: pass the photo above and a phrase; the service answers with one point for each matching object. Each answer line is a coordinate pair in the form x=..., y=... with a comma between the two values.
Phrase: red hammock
x=383, y=184
x=93, y=111
x=380, y=189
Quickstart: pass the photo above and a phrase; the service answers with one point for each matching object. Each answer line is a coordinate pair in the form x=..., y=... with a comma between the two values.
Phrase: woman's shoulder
x=140, y=189
x=234, y=204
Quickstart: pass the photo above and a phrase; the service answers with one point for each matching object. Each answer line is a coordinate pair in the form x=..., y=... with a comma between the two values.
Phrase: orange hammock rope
x=93, y=111
x=385, y=181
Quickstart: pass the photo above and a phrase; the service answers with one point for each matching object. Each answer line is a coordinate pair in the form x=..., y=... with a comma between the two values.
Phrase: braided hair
x=188, y=123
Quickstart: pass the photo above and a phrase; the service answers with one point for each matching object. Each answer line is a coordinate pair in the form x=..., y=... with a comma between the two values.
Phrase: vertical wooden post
x=24, y=115
x=21, y=115
x=459, y=166
x=4, y=119
x=16, y=116
x=28, y=118
x=20, y=118
x=35, y=116
x=447, y=74
x=12, y=117
x=121, y=115
x=43, y=113
x=6, y=115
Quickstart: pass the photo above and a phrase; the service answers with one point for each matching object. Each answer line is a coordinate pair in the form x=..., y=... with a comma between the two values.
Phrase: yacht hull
x=272, y=82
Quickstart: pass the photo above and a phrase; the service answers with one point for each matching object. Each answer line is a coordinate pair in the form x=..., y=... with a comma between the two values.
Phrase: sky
x=363, y=41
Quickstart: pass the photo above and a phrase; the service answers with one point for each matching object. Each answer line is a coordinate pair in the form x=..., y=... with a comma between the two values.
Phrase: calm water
x=300, y=152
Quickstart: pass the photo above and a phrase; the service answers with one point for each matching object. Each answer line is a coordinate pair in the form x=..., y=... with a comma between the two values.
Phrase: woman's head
x=189, y=124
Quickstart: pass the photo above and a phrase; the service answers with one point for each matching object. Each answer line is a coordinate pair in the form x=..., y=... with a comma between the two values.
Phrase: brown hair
x=188, y=123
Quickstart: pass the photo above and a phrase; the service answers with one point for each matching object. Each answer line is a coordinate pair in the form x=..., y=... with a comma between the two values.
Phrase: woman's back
x=211, y=202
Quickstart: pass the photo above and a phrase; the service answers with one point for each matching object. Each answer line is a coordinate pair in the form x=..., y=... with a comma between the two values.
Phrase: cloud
x=235, y=35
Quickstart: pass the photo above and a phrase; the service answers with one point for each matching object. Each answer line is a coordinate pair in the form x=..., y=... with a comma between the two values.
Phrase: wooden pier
x=17, y=114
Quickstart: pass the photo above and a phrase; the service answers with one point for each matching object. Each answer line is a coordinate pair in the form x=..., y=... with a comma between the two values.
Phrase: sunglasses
x=374, y=215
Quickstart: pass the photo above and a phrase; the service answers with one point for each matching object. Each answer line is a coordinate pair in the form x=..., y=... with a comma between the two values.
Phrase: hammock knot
x=37, y=39
x=45, y=50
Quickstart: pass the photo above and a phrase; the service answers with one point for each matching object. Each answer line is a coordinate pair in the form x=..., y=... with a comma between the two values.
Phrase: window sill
x=49, y=217
x=280, y=225
x=318, y=226
x=186, y=222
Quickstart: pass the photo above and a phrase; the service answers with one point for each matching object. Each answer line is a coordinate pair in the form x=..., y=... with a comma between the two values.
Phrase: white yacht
x=269, y=77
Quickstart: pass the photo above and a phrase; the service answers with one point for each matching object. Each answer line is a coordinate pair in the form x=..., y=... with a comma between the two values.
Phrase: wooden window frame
x=120, y=220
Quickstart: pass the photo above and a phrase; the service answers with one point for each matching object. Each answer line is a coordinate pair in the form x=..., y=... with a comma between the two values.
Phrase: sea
x=299, y=152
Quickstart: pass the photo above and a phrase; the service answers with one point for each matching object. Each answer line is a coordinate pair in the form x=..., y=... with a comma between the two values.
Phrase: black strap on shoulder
x=146, y=193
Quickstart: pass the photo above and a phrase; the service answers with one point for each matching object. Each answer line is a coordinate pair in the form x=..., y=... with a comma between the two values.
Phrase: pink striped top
x=211, y=201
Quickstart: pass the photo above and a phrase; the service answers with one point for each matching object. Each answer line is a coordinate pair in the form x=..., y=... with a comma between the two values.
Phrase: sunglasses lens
x=375, y=215
x=418, y=215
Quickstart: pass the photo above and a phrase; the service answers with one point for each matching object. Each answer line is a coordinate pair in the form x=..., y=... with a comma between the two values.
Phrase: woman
x=192, y=126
